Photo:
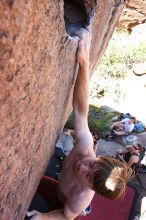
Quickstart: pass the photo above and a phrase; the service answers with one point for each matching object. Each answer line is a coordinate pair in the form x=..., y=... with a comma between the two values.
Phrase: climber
x=83, y=173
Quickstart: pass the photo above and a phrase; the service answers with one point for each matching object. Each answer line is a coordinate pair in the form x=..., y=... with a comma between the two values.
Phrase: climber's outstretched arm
x=81, y=91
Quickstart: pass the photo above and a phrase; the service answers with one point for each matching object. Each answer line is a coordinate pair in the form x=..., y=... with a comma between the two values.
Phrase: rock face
x=37, y=73
x=133, y=15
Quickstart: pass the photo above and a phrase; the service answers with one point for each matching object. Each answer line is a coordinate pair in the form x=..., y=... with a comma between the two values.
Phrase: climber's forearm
x=81, y=90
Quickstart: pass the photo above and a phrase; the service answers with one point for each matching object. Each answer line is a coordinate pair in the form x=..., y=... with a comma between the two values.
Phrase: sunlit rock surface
x=133, y=15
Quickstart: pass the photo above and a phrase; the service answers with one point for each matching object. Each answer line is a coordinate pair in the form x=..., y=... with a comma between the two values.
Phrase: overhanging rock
x=37, y=73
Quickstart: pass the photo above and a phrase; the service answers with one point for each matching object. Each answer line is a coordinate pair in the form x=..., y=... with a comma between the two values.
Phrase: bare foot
x=83, y=46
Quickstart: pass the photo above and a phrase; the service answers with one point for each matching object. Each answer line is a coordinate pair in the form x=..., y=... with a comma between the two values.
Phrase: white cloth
x=128, y=127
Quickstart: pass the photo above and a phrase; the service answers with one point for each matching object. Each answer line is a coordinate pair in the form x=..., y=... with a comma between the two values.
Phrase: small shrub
x=120, y=56
x=98, y=119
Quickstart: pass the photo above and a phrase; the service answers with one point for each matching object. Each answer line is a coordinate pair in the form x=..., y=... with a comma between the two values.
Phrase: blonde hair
x=110, y=177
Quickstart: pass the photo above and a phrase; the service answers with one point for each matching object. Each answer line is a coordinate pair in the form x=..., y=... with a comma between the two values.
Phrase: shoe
x=86, y=211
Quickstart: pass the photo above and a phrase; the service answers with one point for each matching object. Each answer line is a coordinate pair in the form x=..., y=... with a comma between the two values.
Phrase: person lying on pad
x=83, y=173
x=123, y=127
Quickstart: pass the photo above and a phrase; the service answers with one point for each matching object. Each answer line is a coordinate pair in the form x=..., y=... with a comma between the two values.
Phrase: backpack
x=139, y=127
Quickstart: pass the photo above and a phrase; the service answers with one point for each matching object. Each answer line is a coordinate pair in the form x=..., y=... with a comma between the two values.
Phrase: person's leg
x=119, y=133
x=115, y=124
x=120, y=127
